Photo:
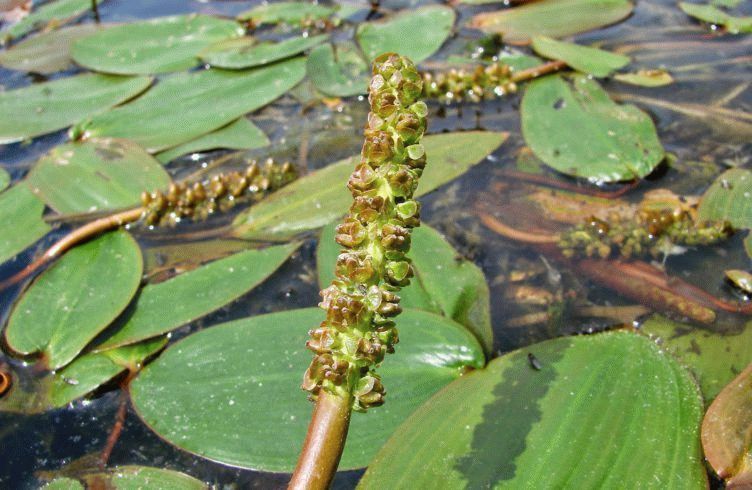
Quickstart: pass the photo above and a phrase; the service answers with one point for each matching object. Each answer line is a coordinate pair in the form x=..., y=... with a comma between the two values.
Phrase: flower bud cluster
x=656, y=233
x=362, y=301
x=480, y=83
x=221, y=192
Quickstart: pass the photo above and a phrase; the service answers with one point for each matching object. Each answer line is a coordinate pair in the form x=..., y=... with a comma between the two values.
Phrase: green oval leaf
x=69, y=304
x=21, y=222
x=130, y=478
x=416, y=33
x=48, y=52
x=603, y=411
x=95, y=175
x=56, y=12
x=231, y=393
x=286, y=12
x=729, y=198
x=193, y=294
x=340, y=74
x=157, y=45
x=205, y=101
x=646, y=78
x=621, y=142
x=594, y=61
x=553, y=18
x=714, y=15
x=322, y=196
x=245, y=52
x=45, y=107
x=240, y=134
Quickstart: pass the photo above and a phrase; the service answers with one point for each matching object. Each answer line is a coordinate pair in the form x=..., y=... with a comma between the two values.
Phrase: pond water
x=703, y=121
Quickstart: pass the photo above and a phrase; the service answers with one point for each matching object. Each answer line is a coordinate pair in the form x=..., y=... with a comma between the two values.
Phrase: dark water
x=711, y=72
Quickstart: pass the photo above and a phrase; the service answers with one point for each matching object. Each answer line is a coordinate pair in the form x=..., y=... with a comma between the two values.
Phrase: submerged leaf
x=574, y=127
x=241, y=134
x=602, y=411
x=48, y=52
x=69, y=304
x=95, y=175
x=340, y=74
x=158, y=45
x=21, y=222
x=594, y=61
x=246, y=52
x=56, y=12
x=231, y=393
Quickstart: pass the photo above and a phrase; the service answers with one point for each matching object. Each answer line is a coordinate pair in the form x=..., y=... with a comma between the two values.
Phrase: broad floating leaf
x=322, y=196
x=130, y=478
x=553, y=18
x=714, y=15
x=286, y=12
x=95, y=175
x=339, y=74
x=177, y=109
x=729, y=198
x=741, y=279
x=48, y=52
x=594, y=61
x=193, y=294
x=621, y=142
x=69, y=304
x=231, y=393
x=45, y=107
x=21, y=222
x=241, y=134
x=714, y=357
x=603, y=411
x=416, y=33
x=726, y=432
x=246, y=52
x=57, y=12
x=646, y=78
x=4, y=179
x=157, y=45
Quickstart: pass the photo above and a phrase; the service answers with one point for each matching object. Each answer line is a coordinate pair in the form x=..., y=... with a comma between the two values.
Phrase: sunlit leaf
x=241, y=134
x=45, y=107
x=231, y=393
x=726, y=432
x=602, y=411
x=714, y=357
x=4, y=179
x=195, y=293
x=246, y=52
x=714, y=15
x=286, y=12
x=729, y=198
x=741, y=279
x=586, y=59
x=129, y=478
x=553, y=18
x=621, y=142
x=95, y=175
x=416, y=33
x=21, y=222
x=74, y=300
x=340, y=73
x=63, y=483
x=185, y=106
x=48, y=52
x=646, y=78
x=158, y=45
x=57, y=12
x=322, y=196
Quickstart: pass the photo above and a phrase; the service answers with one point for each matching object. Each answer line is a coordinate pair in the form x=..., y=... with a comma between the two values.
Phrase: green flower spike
x=362, y=301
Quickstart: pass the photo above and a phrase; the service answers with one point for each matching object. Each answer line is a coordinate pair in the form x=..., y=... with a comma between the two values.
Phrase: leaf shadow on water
x=507, y=420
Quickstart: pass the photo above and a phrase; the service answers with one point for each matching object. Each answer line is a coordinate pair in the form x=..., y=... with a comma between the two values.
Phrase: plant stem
x=538, y=71
x=325, y=440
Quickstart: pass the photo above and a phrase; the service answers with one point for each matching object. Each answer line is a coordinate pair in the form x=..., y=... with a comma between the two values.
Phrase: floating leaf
x=157, y=45
x=603, y=411
x=95, y=175
x=4, y=179
x=621, y=142
x=553, y=18
x=340, y=74
x=193, y=294
x=48, y=52
x=130, y=478
x=63, y=483
x=726, y=432
x=729, y=199
x=741, y=279
x=69, y=304
x=245, y=52
x=286, y=12
x=646, y=78
x=56, y=12
x=416, y=33
x=241, y=134
x=231, y=393
x=45, y=107
x=322, y=196
x=21, y=222
x=714, y=15
x=714, y=357
x=177, y=109
x=594, y=61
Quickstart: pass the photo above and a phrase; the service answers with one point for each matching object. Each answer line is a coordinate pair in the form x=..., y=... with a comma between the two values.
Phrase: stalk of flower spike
x=362, y=301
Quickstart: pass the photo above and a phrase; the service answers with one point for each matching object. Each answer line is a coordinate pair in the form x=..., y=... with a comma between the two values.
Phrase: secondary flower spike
x=362, y=300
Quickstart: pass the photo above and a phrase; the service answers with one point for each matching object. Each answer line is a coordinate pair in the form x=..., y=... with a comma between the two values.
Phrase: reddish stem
x=567, y=186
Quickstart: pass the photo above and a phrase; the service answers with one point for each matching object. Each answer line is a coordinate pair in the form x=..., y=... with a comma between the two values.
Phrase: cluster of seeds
x=221, y=192
x=651, y=232
x=480, y=83
x=361, y=302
